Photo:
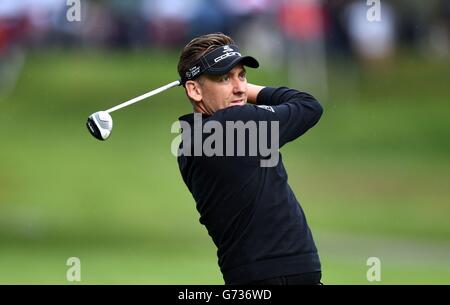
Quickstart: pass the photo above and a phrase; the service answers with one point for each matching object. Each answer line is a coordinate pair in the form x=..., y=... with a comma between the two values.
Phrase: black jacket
x=249, y=210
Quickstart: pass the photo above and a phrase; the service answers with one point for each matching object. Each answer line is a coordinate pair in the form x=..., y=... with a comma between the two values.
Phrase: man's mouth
x=237, y=102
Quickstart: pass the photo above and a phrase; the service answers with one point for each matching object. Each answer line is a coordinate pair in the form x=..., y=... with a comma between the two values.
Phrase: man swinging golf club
x=249, y=210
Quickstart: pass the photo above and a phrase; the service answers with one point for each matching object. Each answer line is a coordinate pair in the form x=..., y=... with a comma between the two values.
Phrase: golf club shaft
x=144, y=96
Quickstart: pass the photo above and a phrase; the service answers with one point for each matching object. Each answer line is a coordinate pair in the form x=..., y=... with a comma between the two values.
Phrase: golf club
x=100, y=123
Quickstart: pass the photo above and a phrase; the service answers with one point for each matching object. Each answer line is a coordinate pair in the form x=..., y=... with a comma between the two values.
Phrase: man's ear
x=193, y=90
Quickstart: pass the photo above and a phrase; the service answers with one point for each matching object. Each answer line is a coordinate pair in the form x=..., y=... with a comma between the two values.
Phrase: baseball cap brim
x=228, y=64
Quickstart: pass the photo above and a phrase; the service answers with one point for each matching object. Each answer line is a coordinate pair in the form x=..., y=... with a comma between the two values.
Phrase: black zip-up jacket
x=249, y=210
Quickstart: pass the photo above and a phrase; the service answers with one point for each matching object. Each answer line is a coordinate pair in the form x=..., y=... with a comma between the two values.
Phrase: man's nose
x=238, y=86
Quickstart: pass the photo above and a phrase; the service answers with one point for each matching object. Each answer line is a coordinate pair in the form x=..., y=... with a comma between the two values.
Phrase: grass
x=372, y=177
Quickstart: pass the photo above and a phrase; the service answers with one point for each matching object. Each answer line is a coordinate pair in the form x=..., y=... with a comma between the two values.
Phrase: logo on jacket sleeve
x=268, y=108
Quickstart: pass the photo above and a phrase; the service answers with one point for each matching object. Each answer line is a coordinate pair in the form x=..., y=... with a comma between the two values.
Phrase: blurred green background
x=373, y=175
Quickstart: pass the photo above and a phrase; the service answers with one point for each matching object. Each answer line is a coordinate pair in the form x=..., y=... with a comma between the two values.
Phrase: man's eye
x=225, y=78
x=243, y=75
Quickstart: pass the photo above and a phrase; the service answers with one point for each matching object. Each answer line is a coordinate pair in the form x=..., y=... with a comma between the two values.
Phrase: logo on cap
x=227, y=48
x=228, y=52
x=193, y=71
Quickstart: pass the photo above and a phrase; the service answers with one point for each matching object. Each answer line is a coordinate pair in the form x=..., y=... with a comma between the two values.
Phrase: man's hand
x=252, y=92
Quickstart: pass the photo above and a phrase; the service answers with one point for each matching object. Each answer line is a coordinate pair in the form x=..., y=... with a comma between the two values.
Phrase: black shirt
x=249, y=210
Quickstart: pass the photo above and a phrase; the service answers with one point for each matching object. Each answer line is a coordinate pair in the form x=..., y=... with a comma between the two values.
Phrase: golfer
x=246, y=204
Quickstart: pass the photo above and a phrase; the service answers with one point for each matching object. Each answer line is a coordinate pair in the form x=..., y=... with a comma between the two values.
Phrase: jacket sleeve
x=295, y=111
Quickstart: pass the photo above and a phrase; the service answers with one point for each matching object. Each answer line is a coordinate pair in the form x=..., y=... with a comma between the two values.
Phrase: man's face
x=222, y=91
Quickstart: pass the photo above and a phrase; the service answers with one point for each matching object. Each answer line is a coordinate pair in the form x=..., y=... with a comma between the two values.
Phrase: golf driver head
x=100, y=125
